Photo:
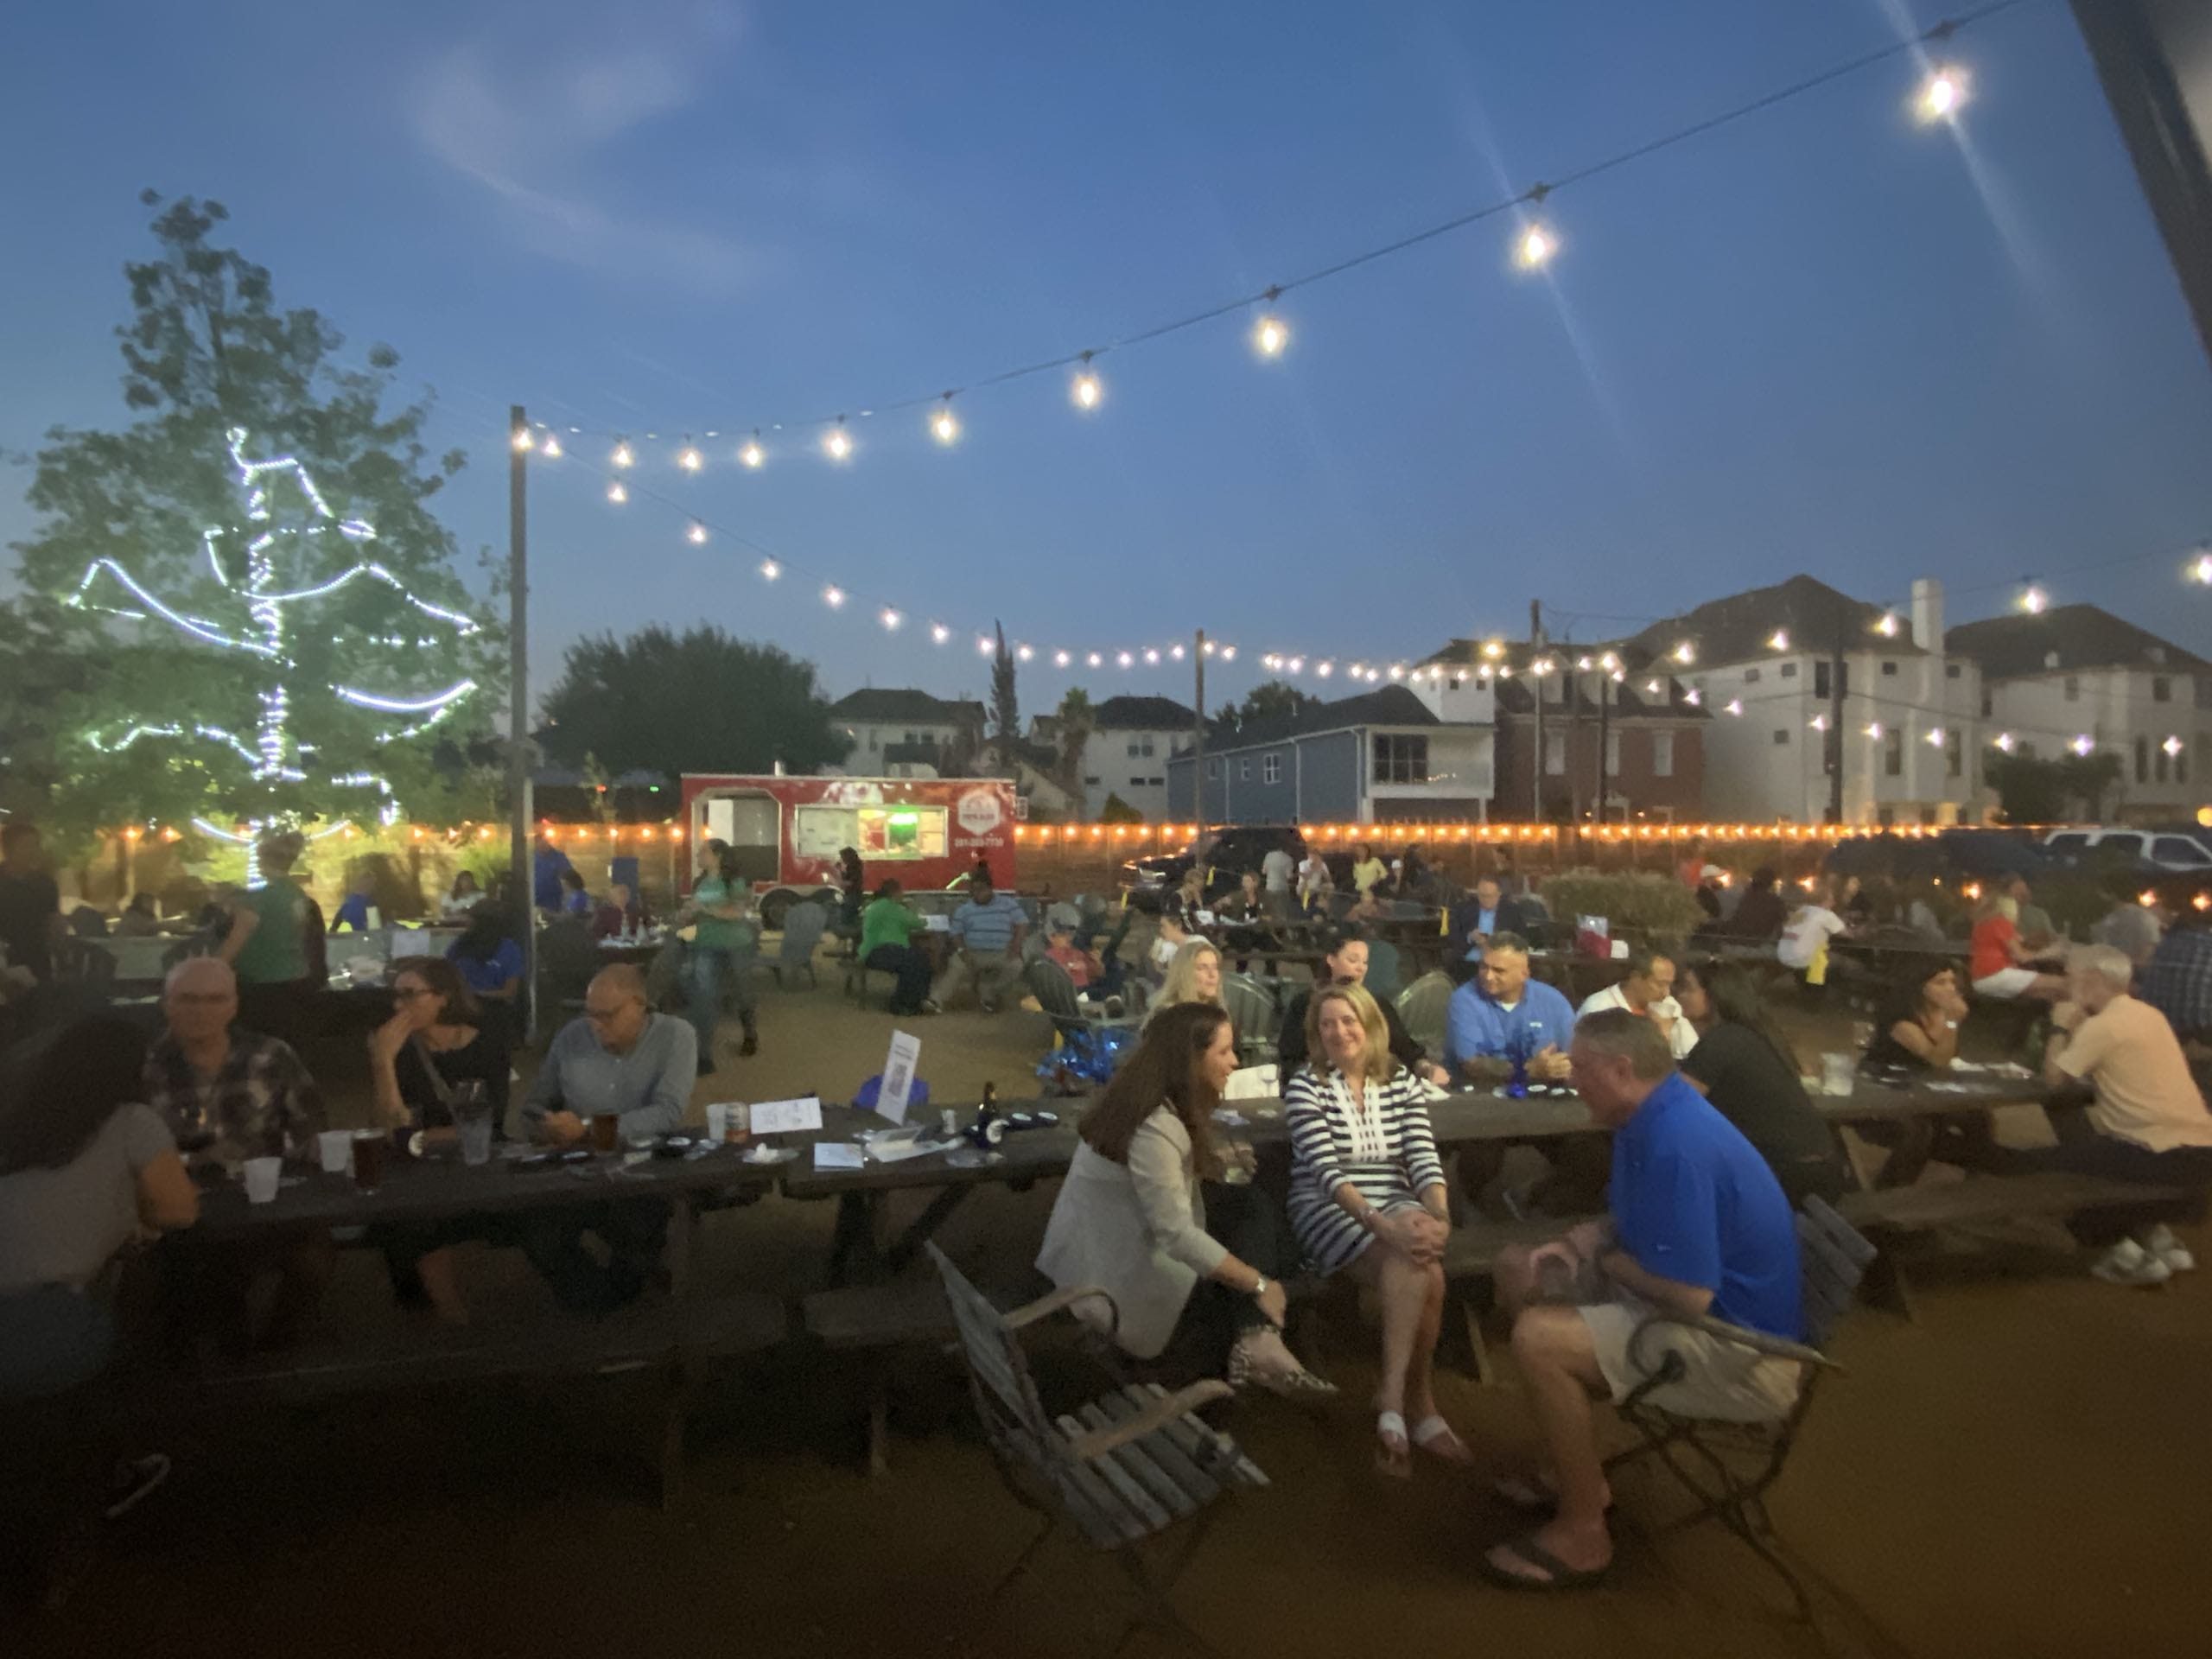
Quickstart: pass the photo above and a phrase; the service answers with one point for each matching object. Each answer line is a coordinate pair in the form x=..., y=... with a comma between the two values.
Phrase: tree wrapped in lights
x=257, y=610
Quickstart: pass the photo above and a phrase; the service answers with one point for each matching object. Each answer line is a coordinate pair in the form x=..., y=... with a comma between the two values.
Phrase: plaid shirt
x=261, y=1101
x=2178, y=981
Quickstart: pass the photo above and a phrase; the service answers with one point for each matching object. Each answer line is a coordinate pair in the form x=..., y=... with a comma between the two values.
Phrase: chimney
x=1927, y=613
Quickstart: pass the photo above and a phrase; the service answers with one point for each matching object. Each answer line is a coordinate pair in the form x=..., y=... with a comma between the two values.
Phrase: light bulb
x=1494, y=648
x=622, y=457
x=1942, y=94
x=1151, y=657
x=698, y=532
x=890, y=617
x=1780, y=641
x=550, y=448
x=1093, y=660
x=689, y=459
x=753, y=454
x=1651, y=687
x=1325, y=669
x=2200, y=568
x=1212, y=647
x=616, y=494
x=770, y=570
x=1270, y=337
x=1397, y=672
x=1534, y=246
x=945, y=424
x=524, y=440
x=2004, y=740
x=833, y=596
x=1735, y=706
x=837, y=443
x=2034, y=601
x=1060, y=659
x=2083, y=745
x=1122, y=659
x=939, y=633
x=1935, y=737
x=1686, y=653
x=983, y=646
x=1229, y=653
x=1023, y=653
x=1887, y=627
x=1819, y=722
x=1086, y=390
x=1874, y=731
x=2173, y=746
x=1175, y=651
x=1693, y=697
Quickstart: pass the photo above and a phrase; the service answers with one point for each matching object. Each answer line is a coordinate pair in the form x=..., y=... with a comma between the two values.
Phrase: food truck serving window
x=893, y=832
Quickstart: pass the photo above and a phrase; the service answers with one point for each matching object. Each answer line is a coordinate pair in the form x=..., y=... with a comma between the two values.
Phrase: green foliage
x=1638, y=905
x=697, y=702
x=2031, y=790
x=1117, y=811
x=1270, y=700
x=208, y=351
x=1006, y=712
x=1077, y=719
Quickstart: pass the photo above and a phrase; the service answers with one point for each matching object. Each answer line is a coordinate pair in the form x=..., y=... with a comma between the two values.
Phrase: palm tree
x=1075, y=718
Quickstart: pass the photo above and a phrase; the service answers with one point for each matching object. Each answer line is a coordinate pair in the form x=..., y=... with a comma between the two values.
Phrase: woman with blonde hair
x=1133, y=1220
x=1367, y=1194
x=1193, y=977
x=2000, y=965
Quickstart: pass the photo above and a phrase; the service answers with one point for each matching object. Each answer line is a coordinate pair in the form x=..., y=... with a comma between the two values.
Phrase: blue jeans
x=708, y=967
x=2083, y=1149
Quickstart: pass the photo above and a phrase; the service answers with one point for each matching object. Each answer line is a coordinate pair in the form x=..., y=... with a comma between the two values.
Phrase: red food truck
x=787, y=832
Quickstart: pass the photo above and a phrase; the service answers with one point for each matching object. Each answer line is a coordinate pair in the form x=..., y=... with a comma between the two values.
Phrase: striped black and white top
x=1382, y=1144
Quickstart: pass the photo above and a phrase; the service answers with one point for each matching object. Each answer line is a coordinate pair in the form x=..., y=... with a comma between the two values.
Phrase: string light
x=689, y=458
x=2003, y=740
x=2083, y=746
x=2173, y=746
x=1151, y=657
x=1935, y=737
x=1093, y=660
x=889, y=618
x=944, y=424
x=1176, y=653
x=833, y=596
x=770, y=570
x=1887, y=627
x=523, y=440
x=2034, y=601
x=697, y=532
x=1819, y=722
x=1735, y=706
x=550, y=448
x=1942, y=94
x=622, y=457
x=1270, y=335
x=1085, y=388
x=753, y=454
x=616, y=494
x=1780, y=641
x=1686, y=653
x=1023, y=653
x=1874, y=731
x=984, y=647
x=837, y=443
x=1060, y=659
x=1534, y=248
x=1122, y=659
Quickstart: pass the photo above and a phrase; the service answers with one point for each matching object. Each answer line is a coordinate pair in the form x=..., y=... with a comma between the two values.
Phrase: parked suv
x=1237, y=849
x=2171, y=850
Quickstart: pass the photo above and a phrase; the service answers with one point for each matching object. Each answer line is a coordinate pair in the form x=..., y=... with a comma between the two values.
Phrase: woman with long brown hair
x=1131, y=1216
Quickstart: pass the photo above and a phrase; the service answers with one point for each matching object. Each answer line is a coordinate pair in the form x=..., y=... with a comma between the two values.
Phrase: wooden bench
x=872, y=1321
x=679, y=1338
x=1982, y=1198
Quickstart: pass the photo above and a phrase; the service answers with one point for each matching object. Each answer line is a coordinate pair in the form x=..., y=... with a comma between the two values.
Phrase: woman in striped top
x=1367, y=1194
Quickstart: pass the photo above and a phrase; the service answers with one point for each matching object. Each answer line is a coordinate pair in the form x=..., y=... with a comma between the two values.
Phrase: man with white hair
x=2138, y=1115
x=237, y=1093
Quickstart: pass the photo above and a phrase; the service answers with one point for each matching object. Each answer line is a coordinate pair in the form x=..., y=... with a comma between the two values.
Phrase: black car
x=1236, y=848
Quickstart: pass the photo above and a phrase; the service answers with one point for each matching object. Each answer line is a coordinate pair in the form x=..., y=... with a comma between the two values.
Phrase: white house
x=1126, y=754
x=2078, y=678
x=878, y=718
x=1761, y=663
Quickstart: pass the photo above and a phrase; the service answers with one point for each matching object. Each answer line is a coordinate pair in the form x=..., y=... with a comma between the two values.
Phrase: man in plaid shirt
x=2179, y=981
x=248, y=1093
x=233, y=1095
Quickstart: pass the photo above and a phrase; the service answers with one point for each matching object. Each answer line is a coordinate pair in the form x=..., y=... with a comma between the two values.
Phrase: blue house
x=1401, y=753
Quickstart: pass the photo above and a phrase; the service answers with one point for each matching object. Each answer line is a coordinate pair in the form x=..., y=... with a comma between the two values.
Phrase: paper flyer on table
x=899, y=1067
x=836, y=1154
x=787, y=1116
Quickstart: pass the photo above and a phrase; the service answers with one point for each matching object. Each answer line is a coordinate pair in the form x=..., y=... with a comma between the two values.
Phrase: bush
x=1646, y=907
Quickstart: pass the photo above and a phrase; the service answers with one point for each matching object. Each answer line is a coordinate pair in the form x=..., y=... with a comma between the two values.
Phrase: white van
x=2166, y=850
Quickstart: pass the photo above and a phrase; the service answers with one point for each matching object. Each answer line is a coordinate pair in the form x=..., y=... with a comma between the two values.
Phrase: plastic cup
x=261, y=1178
x=717, y=1121
x=1837, y=1073
x=472, y=1122
x=336, y=1147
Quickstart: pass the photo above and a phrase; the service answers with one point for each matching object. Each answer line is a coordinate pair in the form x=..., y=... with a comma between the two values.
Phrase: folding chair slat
x=1160, y=1447
x=1096, y=1508
x=1136, y=1460
x=1195, y=1440
x=1131, y=1492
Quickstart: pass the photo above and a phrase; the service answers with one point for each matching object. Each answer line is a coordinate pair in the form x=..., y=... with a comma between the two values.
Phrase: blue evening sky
x=1826, y=340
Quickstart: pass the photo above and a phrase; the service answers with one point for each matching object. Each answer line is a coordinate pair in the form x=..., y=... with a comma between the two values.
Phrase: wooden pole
x=1198, y=746
x=520, y=863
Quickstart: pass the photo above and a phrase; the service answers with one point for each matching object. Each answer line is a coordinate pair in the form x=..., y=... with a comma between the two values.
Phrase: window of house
x=1662, y=754
x=1400, y=758
x=1213, y=768
x=1132, y=748
x=2073, y=689
x=875, y=738
x=1092, y=783
x=2180, y=767
x=1750, y=676
x=2142, y=759
x=1612, y=754
x=1988, y=702
x=1781, y=735
x=2161, y=688
x=1244, y=770
x=1145, y=744
x=1893, y=752
x=1890, y=667
x=1271, y=769
x=1950, y=671
x=1790, y=670
x=1556, y=754
x=2161, y=763
x=1955, y=753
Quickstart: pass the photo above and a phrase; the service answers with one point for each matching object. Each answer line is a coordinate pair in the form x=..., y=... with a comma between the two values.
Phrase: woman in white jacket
x=1131, y=1217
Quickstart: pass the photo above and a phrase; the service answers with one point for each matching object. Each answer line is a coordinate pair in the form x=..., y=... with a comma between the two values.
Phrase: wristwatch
x=1260, y=1288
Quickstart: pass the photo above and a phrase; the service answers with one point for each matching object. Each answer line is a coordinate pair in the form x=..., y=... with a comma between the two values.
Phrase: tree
x=1117, y=811
x=2030, y=790
x=1270, y=700
x=1077, y=720
x=1006, y=714
x=244, y=608
x=701, y=701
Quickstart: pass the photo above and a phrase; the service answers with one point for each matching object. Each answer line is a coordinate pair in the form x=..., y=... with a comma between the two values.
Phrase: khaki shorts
x=1721, y=1381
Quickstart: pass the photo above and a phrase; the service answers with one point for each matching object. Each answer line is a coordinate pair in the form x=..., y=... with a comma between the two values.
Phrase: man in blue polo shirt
x=986, y=940
x=1699, y=1228
x=1502, y=1016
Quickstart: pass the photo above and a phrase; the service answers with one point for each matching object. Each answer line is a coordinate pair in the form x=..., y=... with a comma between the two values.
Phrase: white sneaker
x=2161, y=1242
x=2129, y=1263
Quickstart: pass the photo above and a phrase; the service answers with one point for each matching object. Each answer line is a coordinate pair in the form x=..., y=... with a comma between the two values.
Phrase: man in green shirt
x=724, y=941
x=888, y=927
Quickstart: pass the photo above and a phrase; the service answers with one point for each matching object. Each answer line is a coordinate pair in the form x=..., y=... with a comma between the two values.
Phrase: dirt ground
x=2023, y=1471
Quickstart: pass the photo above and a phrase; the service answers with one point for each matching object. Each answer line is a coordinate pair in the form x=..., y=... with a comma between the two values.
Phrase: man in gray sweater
x=620, y=1059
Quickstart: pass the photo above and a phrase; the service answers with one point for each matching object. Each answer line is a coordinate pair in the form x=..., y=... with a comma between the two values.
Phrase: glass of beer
x=370, y=1146
x=606, y=1131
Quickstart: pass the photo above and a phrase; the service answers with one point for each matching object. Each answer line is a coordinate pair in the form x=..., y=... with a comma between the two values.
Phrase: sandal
x=1556, y=1574
x=1529, y=1494
x=1393, y=1452
x=1436, y=1437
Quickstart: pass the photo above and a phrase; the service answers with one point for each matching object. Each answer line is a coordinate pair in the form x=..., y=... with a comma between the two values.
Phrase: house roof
x=1388, y=705
x=2065, y=638
x=1629, y=700
x=1141, y=714
x=1737, y=629
x=881, y=703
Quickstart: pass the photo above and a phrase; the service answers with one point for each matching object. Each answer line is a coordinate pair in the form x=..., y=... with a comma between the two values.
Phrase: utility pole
x=1604, y=728
x=1835, y=744
x=521, y=863
x=1198, y=745
x=1537, y=753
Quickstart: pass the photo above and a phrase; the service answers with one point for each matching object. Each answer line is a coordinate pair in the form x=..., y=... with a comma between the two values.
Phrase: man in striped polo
x=987, y=947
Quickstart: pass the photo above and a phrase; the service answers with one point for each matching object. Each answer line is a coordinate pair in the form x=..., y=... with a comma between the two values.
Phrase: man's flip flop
x=1395, y=1461
x=1530, y=1495
x=1435, y=1436
x=1558, y=1575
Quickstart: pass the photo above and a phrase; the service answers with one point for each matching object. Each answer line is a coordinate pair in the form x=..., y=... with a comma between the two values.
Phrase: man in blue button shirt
x=1699, y=1229
x=1501, y=1015
x=987, y=938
